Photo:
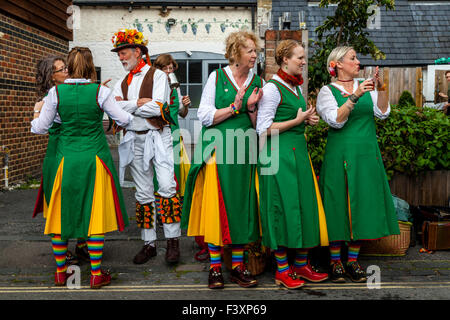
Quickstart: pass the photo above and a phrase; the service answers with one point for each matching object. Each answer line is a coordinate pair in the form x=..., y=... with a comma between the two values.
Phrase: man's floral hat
x=129, y=38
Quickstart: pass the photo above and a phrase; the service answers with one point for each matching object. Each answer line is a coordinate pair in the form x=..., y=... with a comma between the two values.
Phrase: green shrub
x=411, y=141
x=406, y=99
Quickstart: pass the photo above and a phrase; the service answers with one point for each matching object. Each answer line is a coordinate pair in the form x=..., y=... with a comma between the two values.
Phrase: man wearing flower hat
x=147, y=143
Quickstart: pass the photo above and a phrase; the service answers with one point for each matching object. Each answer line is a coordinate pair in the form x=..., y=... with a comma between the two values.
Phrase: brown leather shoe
x=71, y=259
x=243, y=277
x=145, y=254
x=215, y=278
x=173, y=250
x=83, y=253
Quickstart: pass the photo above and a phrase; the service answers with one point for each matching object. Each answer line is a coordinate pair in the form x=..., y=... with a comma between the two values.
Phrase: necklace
x=344, y=80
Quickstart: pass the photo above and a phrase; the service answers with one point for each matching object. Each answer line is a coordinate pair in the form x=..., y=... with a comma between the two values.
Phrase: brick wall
x=272, y=38
x=21, y=46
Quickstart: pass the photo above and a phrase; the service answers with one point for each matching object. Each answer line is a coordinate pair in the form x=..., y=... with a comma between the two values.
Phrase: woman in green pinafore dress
x=51, y=71
x=356, y=195
x=86, y=200
x=290, y=204
x=220, y=200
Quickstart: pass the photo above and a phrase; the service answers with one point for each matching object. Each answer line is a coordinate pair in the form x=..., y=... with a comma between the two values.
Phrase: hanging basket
x=392, y=246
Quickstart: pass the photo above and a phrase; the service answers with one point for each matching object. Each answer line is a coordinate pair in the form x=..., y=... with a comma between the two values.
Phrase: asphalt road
x=27, y=267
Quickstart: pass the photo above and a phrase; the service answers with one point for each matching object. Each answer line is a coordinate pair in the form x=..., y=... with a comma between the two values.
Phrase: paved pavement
x=27, y=266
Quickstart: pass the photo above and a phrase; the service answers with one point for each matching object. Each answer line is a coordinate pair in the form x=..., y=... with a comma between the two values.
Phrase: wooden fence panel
x=430, y=188
x=398, y=80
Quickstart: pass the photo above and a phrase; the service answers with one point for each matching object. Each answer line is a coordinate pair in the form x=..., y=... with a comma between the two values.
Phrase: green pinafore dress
x=78, y=195
x=234, y=144
x=288, y=192
x=356, y=195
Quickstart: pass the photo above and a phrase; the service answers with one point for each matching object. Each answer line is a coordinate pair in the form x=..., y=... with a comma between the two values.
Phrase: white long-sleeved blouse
x=268, y=105
x=327, y=106
x=49, y=112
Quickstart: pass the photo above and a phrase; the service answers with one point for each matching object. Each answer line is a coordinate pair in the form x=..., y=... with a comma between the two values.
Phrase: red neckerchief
x=136, y=69
x=292, y=80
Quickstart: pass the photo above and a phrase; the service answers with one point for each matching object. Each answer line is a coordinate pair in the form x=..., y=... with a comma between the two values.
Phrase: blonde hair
x=236, y=41
x=285, y=49
x=80, y=64
x=338, y=54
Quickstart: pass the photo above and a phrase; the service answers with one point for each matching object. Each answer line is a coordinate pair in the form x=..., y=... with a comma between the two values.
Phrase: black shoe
x=71, y=259
x=145, y=254
x=337, y=272
x=83, y=253
x=215, y=278
x=355, y=272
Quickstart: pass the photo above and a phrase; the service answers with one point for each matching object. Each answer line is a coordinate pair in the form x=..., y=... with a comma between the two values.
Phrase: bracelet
x=382, y=88
x=234, y=110
x=353, y=98
x=37, y=111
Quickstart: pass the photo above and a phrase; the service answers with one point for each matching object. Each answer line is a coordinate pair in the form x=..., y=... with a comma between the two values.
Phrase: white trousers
x=171, y=230
x=143, y=179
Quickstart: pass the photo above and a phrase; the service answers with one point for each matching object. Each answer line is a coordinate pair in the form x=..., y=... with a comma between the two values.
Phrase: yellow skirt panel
x=185, y=165
x=204, y=218
x=322, y=220
x=53, y=213
x=103, y=213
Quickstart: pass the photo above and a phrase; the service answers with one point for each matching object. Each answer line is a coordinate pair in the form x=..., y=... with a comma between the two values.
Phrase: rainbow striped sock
x=237, y=255
x=59, y=247
x=281, y=259
x=81, y=243
x=215, y=256
x=301, y=258
x=335, y=251
x=353, y=250
x=95, y=245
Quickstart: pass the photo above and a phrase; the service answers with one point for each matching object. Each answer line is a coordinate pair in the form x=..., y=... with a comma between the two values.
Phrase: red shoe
x=310, y=273
x=102, y=280
x=288, y=279
x=60, y=279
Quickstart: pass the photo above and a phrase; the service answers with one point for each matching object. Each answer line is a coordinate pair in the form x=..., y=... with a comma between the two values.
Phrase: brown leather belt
x=137, y=132
x=142, y=132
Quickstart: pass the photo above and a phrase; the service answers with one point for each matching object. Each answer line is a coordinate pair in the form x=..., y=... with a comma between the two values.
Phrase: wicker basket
x=393, y=245
x=256, y=256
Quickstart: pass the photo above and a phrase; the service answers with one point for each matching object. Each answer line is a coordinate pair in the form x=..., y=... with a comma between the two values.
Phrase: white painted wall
x=98, y=25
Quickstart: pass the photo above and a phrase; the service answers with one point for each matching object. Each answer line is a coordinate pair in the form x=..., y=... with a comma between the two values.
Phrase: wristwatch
x=353, y=98
x=254, y=109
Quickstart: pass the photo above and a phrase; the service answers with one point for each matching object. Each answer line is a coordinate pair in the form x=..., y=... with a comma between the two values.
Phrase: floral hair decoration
x=332, y=69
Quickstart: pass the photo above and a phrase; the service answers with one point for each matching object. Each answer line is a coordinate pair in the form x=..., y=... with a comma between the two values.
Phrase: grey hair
x=44, y=73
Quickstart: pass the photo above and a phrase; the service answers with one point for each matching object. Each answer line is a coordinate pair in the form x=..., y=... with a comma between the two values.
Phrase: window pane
x=183, y=89
x=195, y=71
x=212, y=67
x=181, y=71
x=195, y=93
